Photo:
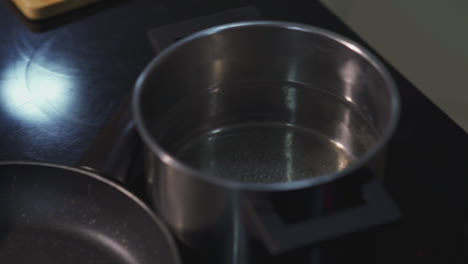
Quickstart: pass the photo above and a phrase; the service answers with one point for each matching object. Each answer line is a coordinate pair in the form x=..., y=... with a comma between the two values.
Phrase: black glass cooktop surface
x=61, y=79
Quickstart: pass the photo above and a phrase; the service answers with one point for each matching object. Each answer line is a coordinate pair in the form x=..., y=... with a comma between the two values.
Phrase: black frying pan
x=56, y=214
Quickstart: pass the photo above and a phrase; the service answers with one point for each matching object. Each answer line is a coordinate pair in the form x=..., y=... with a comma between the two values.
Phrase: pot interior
x=265, y=104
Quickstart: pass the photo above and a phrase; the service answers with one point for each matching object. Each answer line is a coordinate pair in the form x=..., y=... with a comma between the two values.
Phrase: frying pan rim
x=117, y=187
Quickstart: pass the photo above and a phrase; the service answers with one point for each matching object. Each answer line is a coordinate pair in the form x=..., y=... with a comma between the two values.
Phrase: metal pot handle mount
x=279, y=237
x=115, y=147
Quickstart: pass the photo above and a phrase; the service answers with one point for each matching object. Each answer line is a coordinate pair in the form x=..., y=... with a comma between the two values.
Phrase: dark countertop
x=61, y=79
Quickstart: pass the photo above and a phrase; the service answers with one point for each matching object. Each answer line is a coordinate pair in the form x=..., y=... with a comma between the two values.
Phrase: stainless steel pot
x=248, y=122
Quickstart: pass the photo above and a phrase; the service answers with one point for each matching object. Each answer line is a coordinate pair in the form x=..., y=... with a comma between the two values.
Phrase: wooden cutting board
x=40, y=9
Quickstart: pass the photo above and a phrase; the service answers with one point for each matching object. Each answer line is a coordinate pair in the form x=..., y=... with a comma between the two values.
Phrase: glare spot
x=28, y=98
x=338, y=144
x=215, y=96
x=342, y=162
x=215, y=131
x=349, y=73
x=292, y=74
x=109, y=243
x=290, y=94
x=349, y=99
x=289, y=153
x=352, y=47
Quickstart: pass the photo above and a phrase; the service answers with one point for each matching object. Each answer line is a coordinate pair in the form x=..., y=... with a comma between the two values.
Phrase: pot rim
x=171, y=161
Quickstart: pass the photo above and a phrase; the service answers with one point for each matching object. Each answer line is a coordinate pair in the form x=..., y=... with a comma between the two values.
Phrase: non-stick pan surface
x=56, y=214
